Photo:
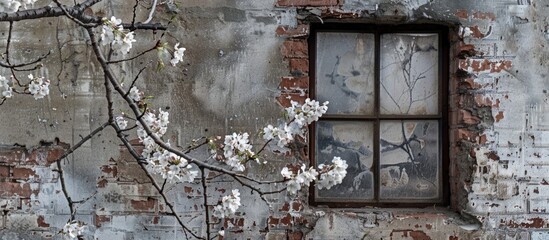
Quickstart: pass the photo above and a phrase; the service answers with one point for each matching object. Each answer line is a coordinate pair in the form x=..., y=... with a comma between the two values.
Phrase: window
x=387, y=114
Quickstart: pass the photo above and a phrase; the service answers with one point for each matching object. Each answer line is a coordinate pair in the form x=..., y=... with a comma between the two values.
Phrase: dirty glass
x=409, y=159
x=353, y=142
x=345, y=72
x=409, y=74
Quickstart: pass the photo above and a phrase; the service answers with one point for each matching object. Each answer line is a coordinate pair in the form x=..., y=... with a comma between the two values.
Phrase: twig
x=151, y=13
x=206, y=209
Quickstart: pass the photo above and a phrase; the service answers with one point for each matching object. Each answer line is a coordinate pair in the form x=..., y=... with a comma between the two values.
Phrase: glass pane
x=409, y=160
x=345, y=72
x=352, y=142
x=409, y=74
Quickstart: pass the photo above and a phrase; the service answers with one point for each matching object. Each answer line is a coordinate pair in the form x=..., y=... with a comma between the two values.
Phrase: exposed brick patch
x=295, y=49
x=12, y=189
x=295, y=235
x=299, y=67
x=23, y=173
x=144, y=204
x=285, y=98
x=410, y=234
x=461, y=13
x=110, y=169
x=294, y=84
x=4, y=171
x=531, y=223
x=41, y=223
x=287, y=31
x=102, y=183
x=100, y=219
x=315, y=3
x=484, y=15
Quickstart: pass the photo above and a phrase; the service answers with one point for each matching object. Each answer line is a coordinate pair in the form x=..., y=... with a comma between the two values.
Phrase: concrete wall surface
x=245, y=59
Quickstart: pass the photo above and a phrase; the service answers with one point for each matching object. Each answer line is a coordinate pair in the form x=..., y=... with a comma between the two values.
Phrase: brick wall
x=256, y=59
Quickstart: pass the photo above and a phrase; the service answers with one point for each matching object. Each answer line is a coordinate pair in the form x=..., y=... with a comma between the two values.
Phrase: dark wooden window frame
x=443, y=71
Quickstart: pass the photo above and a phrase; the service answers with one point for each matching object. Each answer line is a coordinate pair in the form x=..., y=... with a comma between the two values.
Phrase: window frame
x=442, y=116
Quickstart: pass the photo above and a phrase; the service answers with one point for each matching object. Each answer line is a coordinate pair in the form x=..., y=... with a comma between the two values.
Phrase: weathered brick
x=295, y=49
x=285, y=98
x=23, y=173
x=144, y=205
x=15, y=189
x=299, y=67
x=292, y=83
x=287, y=31
x=315, y=3
x=4, y=171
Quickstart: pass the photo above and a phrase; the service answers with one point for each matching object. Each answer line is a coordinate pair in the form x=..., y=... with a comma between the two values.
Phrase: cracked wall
x=246, y=58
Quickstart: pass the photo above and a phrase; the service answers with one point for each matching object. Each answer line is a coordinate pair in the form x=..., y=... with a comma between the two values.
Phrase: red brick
x=315, y=3
x=295, y=49
x=41, y=223
x=144, y=204
x=292, y=83
x=299, y=31
x=12, y=155
x=299, y=67
x=100, y=219
x=4, y=171
x=23, y=173
x=462, y=13
x=484, y=15
x=10, y=189
x=285, y=98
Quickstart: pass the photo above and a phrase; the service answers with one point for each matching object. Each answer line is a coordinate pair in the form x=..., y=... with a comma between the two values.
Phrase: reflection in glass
x=345, y=72
x=409, y=74
x=409, y=159
x=353, y=142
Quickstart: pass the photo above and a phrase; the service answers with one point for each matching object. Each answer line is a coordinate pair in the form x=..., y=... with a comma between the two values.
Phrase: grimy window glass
x=387, y=114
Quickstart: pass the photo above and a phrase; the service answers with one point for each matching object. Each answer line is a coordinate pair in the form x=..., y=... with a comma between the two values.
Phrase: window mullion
x=376, y=162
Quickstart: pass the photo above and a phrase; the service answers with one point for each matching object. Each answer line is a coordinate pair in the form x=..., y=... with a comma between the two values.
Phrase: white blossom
x=135, y=94
x=177, y=54
x=334, y=176
x=121, y=122
x=39, y=87
x=73, y=229
x=160, y=161
x=9, y=6
x=228, y=206
x=299, y=117
x=237, y=150
x=221, y=233
x=7, y=91
x=112, y=32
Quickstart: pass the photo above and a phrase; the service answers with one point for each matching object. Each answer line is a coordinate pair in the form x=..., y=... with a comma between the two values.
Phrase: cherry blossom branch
x=151, y=13
x=137, y=156
x=136, y=56
x=206, y=208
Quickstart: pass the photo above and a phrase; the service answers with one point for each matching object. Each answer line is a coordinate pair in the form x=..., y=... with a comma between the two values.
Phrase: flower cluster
x=229, y=205
x=237, y=151
x=121, y=122
x=177, y=54
x=113, y=33
x=161, y=161
x=135, y=94
x=304, y=177
x=300, y=116
x=7, y=91
x=330, y=175
x=39, y=87
x=73, y=229
x=10, y=6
